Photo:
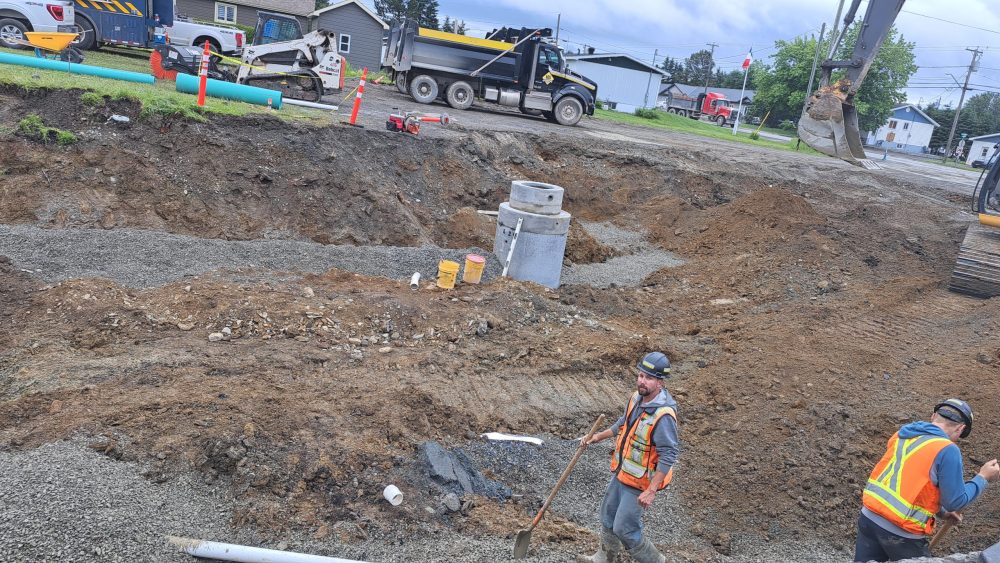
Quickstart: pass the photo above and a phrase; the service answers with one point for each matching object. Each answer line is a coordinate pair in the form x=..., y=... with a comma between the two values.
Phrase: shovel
x=523, y=538
x=941, y=533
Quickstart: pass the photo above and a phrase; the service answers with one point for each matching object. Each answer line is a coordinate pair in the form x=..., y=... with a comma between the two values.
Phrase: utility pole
x=645, y=101
x=558, y=20
x=711, y=63
x=812, y=73
x=833, y=34
x=954, y=122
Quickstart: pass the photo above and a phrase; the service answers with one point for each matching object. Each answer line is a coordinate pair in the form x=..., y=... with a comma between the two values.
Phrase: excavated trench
x=807, y=321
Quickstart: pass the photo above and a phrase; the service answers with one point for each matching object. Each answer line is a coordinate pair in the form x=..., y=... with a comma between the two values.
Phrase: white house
x=623, y=82
x=907, y=130
x=982, y=147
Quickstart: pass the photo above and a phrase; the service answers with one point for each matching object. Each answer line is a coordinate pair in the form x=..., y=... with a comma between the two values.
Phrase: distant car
x=979, y=164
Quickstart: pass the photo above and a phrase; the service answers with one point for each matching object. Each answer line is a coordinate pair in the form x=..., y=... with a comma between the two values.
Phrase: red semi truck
x=711, y=107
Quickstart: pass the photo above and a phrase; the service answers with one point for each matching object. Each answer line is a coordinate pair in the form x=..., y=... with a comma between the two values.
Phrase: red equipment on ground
x=409, y=121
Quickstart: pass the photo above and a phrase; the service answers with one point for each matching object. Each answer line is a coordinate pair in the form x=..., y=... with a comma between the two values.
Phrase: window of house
x=225, y=12
x=610, y=105
x=899, y=145
x=985, y=150
x=345, y=43
x=906, y=126
x=892, y=124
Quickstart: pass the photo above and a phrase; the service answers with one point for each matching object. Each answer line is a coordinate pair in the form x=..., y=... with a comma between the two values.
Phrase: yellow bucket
x=474, y=265
x=447, y=272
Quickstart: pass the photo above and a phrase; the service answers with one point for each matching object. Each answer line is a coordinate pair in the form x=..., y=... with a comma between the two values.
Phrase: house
x=983, y=147
x=689, y=92
x=907, y=130
x=243, y=12
x=359, y=31
x=623, y=82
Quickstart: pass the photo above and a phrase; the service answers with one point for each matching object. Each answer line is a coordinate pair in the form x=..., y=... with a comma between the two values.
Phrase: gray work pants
x=621, y=513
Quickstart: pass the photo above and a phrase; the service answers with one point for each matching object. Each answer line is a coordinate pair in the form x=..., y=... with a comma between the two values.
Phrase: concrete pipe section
x=541, y=242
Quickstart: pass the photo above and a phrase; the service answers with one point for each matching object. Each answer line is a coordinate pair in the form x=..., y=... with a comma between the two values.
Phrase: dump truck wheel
x=88, y=36
x=401, y=82
x=568, y=111
x=424, y=89
x=721, y=121
x=672, y=110
x=12, y=31
x=459, y=95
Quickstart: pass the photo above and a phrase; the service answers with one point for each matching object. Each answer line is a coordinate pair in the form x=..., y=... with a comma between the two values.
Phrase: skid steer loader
x=302, y=67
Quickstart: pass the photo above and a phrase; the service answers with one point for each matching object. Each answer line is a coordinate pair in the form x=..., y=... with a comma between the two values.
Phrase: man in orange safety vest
x=645, y=452
x=918, y=481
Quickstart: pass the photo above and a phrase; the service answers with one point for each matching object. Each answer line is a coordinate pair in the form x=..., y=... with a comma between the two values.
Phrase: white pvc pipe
x=415, y=280
x=245, y=554
x=306, y=104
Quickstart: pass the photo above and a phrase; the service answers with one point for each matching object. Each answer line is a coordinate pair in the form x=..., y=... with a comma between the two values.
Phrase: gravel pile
x=65, y=502
x=137, y=258
x=639, y=259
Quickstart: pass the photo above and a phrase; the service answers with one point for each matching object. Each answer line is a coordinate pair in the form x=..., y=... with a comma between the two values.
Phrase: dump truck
x=712, y=106
x=519, y=68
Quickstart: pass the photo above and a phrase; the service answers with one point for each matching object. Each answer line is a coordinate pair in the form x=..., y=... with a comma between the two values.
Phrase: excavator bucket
x=830, y=125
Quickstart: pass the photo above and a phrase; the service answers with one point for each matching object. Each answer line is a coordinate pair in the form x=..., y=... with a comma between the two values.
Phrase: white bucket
x=393, y=495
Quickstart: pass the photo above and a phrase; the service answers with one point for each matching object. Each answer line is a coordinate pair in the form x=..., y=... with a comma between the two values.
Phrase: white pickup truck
x=20, y=16
x=222, y=39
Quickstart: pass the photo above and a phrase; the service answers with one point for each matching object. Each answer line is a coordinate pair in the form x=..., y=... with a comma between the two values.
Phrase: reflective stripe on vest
x=897, y=490
x=635, y=457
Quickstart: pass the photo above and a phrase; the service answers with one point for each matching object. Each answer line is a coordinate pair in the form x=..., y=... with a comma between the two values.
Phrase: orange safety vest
x=635, y=457
x=900, y=488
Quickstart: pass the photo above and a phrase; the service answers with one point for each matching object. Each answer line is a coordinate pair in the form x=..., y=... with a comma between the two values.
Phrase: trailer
x=147, y=23
x=512, y=67
x=712, y=106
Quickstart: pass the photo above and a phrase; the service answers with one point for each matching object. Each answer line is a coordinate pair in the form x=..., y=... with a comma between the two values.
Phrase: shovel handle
x=940, y=535
x=565, y=473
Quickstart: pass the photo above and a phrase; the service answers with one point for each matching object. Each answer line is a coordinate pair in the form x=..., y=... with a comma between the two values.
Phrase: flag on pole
x=748, y=60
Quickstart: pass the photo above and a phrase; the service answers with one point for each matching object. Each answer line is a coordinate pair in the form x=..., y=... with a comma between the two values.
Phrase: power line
x=952, y=22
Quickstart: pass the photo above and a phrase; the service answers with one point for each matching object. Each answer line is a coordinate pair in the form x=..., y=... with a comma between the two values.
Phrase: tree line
x=425, y=12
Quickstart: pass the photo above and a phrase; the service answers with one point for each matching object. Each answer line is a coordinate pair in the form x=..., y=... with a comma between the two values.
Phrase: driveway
x=947, y=178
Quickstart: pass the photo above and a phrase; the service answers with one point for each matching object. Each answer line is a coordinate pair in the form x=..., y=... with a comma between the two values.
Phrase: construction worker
x=646, y=449
x=917, y=482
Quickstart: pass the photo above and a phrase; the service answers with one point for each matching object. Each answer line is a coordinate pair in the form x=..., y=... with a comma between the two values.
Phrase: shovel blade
x=521, y=543
x=830, y=126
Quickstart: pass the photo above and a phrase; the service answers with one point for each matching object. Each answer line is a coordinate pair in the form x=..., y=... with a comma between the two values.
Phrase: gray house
x=688, y=92
x=243, y=12
x=359, y=31
x=624, y=83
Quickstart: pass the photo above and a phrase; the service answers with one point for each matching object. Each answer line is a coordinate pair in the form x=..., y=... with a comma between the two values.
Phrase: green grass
x=160, y=98
x=671, y=122
x=33, y=127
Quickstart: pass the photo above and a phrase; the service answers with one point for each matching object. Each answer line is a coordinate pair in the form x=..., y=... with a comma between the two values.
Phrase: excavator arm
x=829, y=123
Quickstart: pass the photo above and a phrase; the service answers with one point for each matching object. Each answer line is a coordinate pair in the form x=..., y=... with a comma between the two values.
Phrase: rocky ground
x=802, y=302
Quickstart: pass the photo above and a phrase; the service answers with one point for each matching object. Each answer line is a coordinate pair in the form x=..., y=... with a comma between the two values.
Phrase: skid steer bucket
x=830, y=125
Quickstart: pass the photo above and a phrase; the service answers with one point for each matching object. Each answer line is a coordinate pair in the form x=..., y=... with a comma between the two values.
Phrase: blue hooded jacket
x=946, y=474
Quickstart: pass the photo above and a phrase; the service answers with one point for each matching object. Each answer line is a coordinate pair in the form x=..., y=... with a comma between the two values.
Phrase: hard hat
x=956, y=410
x=655, y=364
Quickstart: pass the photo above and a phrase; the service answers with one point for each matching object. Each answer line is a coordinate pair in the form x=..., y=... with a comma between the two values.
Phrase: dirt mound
x=758, y=218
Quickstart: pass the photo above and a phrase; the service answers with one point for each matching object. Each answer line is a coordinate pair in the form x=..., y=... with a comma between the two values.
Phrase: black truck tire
x=11, y=31
x=424, y=89
x=401, y=82
x=459, y=95
x=720, y=120
x=88, y=35
x=568, y=111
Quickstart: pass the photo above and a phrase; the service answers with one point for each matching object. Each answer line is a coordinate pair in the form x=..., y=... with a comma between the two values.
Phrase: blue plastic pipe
x=76, y=68
x=230, y=90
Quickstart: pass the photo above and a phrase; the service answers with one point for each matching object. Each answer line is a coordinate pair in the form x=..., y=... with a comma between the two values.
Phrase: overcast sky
x=679, y=27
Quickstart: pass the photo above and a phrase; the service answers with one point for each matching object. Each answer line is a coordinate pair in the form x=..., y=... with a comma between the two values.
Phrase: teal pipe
x=230, y=90
x=76, y=68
